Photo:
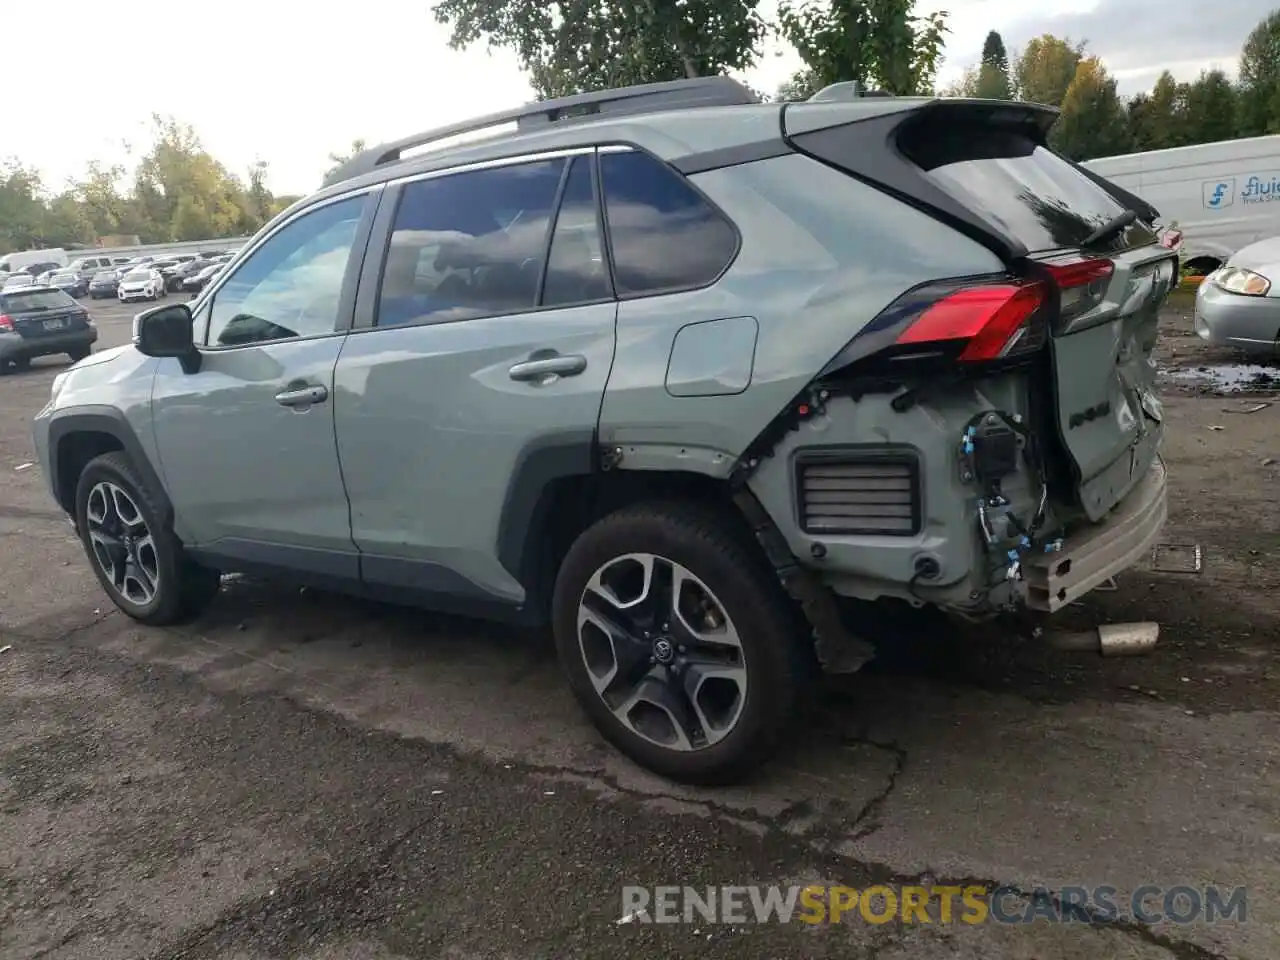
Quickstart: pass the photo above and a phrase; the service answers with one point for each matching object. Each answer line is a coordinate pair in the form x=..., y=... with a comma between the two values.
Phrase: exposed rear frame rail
x=719, y=91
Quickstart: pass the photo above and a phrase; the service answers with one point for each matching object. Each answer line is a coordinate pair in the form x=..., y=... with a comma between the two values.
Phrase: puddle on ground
x=1227, y=377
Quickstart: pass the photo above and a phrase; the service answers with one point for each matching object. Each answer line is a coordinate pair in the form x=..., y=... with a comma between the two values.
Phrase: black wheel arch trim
x=102, y=419
x=521, y=525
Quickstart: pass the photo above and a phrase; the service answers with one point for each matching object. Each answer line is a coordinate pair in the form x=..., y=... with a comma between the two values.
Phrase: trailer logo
x=1219, y=193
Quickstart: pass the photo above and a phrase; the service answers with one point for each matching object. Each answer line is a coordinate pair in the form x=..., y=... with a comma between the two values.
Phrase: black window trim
x=623, y=147
x=372, y=196
x=371, y=288
x=549, y=238
x=593, y=171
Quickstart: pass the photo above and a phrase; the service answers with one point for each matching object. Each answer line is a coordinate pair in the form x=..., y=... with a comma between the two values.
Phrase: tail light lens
x=6, y=322
x=989, y=322
x=1083, y=285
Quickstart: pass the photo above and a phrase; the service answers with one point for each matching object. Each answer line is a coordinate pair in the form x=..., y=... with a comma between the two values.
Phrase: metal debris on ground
x=24, y=466
x=1251, y=408
x=1177, y=558
x=6, y=648
x=1214, y=426
x=1127, y=639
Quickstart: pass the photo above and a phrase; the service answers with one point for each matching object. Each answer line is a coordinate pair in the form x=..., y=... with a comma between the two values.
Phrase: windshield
x=138, y=275
x=65, y=278
x=34, y=300
x=20, y=280
x=210, y=271
x=104, y=275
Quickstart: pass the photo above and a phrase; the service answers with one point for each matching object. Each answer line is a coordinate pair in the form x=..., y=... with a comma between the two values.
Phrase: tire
x=713, y=556
x=79, y=354
x=17, y=365
x=181, y=588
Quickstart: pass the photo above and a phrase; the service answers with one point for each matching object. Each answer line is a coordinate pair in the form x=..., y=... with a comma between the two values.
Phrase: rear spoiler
x=863, y=142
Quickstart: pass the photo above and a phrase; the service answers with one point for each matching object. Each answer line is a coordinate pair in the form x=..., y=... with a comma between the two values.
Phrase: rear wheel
x=136, y=557
x=78, y=354
x=678, y=641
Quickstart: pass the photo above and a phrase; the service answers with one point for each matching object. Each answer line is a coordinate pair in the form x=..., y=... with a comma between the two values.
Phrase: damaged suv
x=668, y=369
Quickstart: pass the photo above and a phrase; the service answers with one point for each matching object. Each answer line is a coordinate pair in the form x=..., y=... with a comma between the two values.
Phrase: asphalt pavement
x=303, y=775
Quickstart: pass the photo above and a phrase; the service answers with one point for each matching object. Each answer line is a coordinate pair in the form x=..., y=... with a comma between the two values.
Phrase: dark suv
x=677, y=373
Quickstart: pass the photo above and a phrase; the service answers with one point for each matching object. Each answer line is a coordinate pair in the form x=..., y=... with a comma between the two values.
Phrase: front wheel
x=678, y=641
x=134, y=554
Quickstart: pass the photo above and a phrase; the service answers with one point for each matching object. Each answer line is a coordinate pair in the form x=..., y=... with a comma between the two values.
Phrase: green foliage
x=1047, y=68
x=878, y=43
x=338, y=160
x=1260, y=79
x=802, y=85
x=177, y=192
x=993, y=81
x=1211, y=109
x=570, y=46
x=1093, y=121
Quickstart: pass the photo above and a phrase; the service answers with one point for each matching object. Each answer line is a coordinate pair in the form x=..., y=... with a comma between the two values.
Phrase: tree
x=569, y=46
x=966, y=86
x=877, y=43
x=1211, y=109
x=1159, y=120
x=1260, y=79
x=338, y=160
x=1047, y=68
x=993, y=81
x=21, y=210
x=1093, y=121
x=802, y=85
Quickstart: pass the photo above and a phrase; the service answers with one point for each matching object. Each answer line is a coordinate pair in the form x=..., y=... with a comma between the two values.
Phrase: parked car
x=69, y=282
x=141, y=283
x=104, y=284
x=199, y=280
x=89, y=267
x=19, y=280
x=175, y=275
x=42, y=271
x=36, y=322
x=897, y=349
x=1239, y=303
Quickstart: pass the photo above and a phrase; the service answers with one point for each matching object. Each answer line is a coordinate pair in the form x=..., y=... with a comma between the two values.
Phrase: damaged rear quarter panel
x=822, y=254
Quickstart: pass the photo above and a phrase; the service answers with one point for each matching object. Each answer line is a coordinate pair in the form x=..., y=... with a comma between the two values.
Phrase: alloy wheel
x=122, y=543
x=661, y=652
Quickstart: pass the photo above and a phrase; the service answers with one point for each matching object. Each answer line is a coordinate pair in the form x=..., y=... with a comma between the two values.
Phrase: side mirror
x=167, y=332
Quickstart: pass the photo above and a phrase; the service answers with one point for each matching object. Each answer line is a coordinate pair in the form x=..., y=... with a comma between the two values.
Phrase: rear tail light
x=6, y=322
x=988, y=322
x=1083, y=285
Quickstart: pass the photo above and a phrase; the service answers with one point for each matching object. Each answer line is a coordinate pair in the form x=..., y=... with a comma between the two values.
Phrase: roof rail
x=716, y=91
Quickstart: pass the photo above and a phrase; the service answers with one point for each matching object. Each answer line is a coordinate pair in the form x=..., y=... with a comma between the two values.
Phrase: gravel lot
x=301, y=775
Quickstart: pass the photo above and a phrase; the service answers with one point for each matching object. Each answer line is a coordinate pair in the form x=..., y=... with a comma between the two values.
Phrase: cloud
x=1136, y=39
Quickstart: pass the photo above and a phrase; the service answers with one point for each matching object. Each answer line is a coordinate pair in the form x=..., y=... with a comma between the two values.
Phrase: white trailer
x=1220, y=196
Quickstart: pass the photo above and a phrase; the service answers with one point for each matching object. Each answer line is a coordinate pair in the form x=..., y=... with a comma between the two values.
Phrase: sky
x=289, y=83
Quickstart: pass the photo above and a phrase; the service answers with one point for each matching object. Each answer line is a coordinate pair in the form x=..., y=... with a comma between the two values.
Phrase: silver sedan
x=1239, y=303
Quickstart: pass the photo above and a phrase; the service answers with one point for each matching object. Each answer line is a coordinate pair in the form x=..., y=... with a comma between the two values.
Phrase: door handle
x=302, y=395
x=558, y=365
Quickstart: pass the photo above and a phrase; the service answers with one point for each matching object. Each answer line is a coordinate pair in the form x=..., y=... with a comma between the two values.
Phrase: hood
x=1259, y=257
x=99, y=357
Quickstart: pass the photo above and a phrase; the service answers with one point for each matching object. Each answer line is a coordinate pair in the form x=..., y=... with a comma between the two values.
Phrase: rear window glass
x=19, y=301
x=1005, y=177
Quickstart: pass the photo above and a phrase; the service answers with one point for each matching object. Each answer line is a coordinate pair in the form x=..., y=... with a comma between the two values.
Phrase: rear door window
x=1008, y=179
x=469, y=245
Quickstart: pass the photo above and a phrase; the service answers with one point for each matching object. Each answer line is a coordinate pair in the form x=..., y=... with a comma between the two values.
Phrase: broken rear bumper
x=1097, y=553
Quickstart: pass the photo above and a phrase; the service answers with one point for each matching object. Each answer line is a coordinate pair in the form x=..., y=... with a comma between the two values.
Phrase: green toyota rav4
x=668, y=369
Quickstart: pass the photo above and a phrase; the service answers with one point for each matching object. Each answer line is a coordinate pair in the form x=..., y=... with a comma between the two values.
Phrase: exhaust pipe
x=1109, y=640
